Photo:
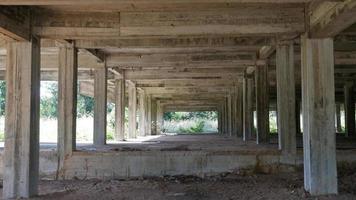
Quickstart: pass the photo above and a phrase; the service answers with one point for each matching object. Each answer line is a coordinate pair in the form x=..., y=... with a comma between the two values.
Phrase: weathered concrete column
x=159, y=118
x=247, y=107
x=154, y=116
x=220, y=120
x=222, y=116
x=318, y=96
x=286, y=99
x=149, y=115
x=21, y=152
x=338, y=118
x=67, y=103
x=100, y=95
x=349, y=109
x=132, y=109
x=229, y=115
x=262, y=105
x=239, y=110
x=233, y=113
x=226, y=121
x=120, y=109
x=142, y=108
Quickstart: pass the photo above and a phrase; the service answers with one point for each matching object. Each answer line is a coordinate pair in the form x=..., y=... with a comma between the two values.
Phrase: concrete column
x=229, y=115
x=225, y=115
x=318, y=96
x=349, y=109
x=132, y=109
x=338, y=118
x=223, y=119
x=67, y=103
x=21, y=152
x=100, y=95
x=247, y=107
x=120, y=109
x=159, y=118
x=154, y=116
x=233, y=113
x=286, y=99
x=220, y=120
x=262, y=105
x=142, y=108
x=239, y=110
x=149, y=115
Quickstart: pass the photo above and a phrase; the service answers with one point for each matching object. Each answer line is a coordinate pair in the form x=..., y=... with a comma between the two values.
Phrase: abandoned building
x=240, y=58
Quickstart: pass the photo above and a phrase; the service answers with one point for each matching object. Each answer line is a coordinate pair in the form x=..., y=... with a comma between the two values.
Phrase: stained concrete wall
x=107, y=165
x=48, y=163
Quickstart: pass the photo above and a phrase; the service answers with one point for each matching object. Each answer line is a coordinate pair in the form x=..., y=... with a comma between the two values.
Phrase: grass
x=48, y=130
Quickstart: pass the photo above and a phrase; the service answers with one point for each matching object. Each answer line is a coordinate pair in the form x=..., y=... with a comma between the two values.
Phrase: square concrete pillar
x=247, y=107
x=239, y=110
x=100, y=105
x=349, y=109
x=21, y=152
x=148, y=115
x=132, y=109
x=262, y=104
x=220, y=120
x=67, y=102
x=120, y=109
x=233, y=112
x=318, y=98
x=154, y=116
x=159, y=118
x=142, y=112
x=229, y=114
x=286, y=121
x=222, y=116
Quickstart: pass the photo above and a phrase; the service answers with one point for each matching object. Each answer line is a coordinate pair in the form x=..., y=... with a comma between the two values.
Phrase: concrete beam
x=15, y=23
x=331, y=20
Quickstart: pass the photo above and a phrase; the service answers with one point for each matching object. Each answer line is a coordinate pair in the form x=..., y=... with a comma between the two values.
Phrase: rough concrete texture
x=198, y=155
x=241, y=184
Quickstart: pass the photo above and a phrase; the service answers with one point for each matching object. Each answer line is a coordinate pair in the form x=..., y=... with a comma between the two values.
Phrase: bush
x=190, y=126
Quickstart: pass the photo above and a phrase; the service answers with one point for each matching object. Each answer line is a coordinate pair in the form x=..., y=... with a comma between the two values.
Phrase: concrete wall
x=106, y=165
x=48, y=163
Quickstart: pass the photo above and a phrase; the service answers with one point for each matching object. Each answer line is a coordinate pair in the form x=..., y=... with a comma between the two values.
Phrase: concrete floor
x=194, y=142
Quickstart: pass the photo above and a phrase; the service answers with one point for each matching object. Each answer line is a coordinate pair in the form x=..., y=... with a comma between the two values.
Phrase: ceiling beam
x=15, y=23
x=333, y=18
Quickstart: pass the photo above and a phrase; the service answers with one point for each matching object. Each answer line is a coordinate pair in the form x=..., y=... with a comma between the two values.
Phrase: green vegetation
x=190, y=122
x=2, y=97
x=176, y=116
x=196, y=128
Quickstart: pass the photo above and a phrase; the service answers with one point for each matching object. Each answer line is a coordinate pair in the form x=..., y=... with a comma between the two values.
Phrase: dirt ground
x=239, y=185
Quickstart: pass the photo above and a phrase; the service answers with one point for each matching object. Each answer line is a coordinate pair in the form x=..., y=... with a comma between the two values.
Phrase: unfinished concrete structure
x=230, y=56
